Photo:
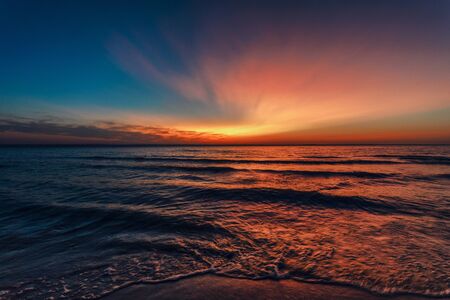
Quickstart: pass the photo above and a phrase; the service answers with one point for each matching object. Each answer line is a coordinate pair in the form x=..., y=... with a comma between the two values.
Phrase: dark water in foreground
x=81, y=222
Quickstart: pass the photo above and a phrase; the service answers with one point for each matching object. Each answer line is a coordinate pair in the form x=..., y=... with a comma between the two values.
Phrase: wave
x=306, y=160
x=167, y=168
x=321, y=156
x=311, y=199
x=433, y=177
x=193, y=178
x=356, y=174
x=419, y=159
x=242, y=161
x=146, y=215
x=111, y=217
x=222, y=170
x=300, y=198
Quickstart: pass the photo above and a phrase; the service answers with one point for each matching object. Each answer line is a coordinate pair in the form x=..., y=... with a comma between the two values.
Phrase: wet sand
x=218, y=287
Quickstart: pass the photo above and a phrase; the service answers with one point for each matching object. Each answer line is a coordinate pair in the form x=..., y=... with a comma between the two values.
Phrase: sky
x=224, y=72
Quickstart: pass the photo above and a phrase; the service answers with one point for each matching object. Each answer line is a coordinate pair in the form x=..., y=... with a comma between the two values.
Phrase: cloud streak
x=42, y=131
x=273, y=78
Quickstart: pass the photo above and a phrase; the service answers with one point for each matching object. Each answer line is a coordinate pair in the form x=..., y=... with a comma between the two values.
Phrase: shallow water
x=80, y=222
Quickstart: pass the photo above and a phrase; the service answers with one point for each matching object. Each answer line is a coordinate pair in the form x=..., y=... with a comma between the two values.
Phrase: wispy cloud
x=275, y=82
x=28, y=130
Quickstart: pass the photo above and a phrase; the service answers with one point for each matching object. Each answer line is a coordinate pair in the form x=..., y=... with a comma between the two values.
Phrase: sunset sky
x=224, y=72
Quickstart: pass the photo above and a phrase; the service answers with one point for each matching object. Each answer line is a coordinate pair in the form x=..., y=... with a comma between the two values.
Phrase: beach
x=225, y=288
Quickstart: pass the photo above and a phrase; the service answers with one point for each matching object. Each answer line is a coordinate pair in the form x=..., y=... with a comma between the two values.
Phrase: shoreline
x=218, y=287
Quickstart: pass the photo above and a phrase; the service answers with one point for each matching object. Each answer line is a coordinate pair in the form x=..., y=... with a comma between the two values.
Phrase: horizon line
x=220, y=145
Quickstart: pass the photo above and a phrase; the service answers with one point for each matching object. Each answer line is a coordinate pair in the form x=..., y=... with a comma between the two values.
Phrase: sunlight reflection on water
x=79, y=222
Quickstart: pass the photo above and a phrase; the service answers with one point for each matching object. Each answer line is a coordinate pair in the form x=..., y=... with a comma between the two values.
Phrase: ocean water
x=81, y=222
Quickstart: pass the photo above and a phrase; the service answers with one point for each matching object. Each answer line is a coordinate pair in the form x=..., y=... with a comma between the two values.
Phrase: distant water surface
x=80, y=222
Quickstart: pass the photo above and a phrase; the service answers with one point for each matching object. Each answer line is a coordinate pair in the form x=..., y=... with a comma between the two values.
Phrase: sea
x=82, y=222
